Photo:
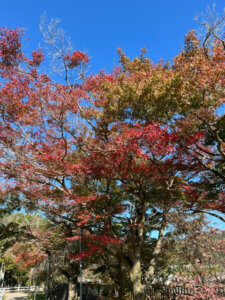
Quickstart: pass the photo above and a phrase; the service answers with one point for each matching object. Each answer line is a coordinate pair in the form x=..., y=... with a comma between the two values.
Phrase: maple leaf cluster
x=38, y=58
x=10, y=47
x=76, y=59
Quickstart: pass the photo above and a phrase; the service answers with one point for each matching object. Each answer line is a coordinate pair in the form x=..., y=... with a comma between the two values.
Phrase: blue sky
x=100, y=26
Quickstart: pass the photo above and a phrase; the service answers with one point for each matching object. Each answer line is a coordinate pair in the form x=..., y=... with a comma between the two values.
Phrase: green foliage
x=9, y=203
x=13, y=274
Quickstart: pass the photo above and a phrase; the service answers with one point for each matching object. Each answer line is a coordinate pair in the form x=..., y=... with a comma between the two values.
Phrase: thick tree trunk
x=71, y=274
x=120, y=281
x=136, y=270
x=158, y=248
x=72, y=294
x=135, y=277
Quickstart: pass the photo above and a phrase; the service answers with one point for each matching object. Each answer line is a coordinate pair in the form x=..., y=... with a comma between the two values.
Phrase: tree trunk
x=71, y=275
x=136, y=270
x=135, y=277
x=158, y=248
x=72, y=294
x=120, y=281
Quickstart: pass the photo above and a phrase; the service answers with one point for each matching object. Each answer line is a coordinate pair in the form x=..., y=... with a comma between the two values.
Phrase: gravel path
x=16, y=296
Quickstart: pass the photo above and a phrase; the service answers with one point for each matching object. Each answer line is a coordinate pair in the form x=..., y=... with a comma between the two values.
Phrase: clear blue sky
x=100, y=26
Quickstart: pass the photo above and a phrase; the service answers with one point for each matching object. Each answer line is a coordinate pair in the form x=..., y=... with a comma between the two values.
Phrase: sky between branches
x=100, y=26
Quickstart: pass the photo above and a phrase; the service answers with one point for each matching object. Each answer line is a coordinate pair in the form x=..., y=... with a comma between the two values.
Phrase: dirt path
x=16, y=296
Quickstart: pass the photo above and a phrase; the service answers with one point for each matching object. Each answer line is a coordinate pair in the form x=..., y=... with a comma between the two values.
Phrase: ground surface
x=16, y=296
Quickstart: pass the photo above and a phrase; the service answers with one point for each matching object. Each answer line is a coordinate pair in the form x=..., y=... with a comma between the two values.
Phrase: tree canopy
x=115, y=160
